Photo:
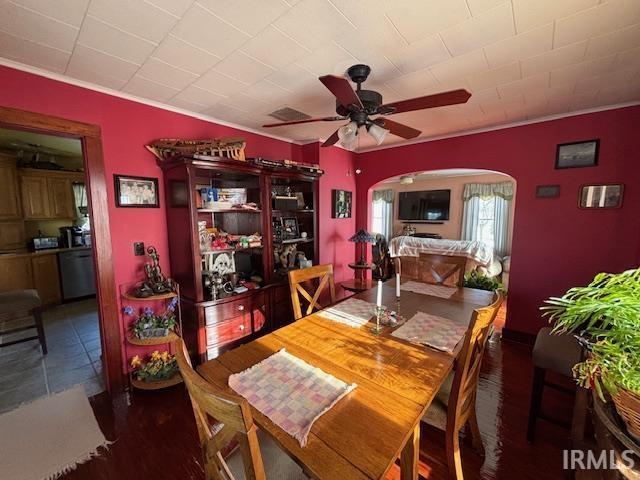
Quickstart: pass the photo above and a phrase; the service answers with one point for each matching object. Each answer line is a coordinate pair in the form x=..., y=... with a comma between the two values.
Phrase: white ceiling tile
x=34, y=54
x=476, y=32
x=503, y=103
x=243, y=68
x=482, y=96
x=461, y=66
x=267, y=92
x=423, y=53
x=67, y=11
x=219, y=83
x=199, y=96
x=274, y=48
x=479, y=6
x=525, y=45
x=494, y=77
x=174, y=7
x=330, y=59
x=533, y=13
x=314, y=23
x=546, y=95
x=163, y=73
x=187, y=105
x=134, y=16
x=416, y=20
x=414, y=84
x=250, y=16
x=85, y=59
x=294, y=77
x=617, y=79
x=628, y=59
x=102, y=36
x=610, y=43
x=599, y=20
x=185, y=56
x=556, y=58
x=202, y=29
x=534, y=82
x=247, y=104
x=30, y=25
x=572, y=73
x=144, y=87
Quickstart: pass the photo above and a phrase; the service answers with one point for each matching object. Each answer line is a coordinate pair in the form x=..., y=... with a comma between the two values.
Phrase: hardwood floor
x=155, y=434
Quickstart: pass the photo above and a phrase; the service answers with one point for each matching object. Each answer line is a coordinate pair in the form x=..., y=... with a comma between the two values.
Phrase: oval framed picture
x=606, y=195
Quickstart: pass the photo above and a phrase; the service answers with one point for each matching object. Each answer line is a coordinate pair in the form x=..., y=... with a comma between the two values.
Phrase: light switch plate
x=138, y=248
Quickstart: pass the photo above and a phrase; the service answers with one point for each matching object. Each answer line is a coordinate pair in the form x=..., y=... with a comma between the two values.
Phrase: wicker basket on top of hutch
x=282, y=204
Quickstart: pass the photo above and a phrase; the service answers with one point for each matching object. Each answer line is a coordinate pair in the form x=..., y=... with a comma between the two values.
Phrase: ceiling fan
x=358, y=105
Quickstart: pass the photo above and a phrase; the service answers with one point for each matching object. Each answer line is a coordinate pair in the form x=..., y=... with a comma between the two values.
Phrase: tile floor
x=73, y=341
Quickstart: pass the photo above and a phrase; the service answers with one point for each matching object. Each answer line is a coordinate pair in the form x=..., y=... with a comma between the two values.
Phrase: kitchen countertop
x=51, y=251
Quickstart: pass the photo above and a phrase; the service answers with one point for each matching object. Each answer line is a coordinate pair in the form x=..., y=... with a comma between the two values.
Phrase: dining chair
x=432, y=268
x=222, y=418
x=299, y=281
x=455, y=404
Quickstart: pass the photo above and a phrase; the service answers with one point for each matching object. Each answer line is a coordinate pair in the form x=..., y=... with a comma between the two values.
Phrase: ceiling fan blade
x=331, y=140
x=398, y=128
x=296, y=122
x=430, y=101
x=342, y=90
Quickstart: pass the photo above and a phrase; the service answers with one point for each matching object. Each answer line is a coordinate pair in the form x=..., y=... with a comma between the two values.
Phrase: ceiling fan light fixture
x=377, y=133
x=348, y=135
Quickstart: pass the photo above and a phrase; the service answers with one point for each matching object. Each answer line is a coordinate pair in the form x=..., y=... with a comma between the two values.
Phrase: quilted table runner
x=352, y=312
x=431, y=330
x=428, y=289
x=292, y=393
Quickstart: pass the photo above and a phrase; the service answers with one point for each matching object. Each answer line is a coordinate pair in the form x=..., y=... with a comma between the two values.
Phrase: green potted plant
x=152, y=325
x=159, y=367
x=605, y=315
x=476, y=280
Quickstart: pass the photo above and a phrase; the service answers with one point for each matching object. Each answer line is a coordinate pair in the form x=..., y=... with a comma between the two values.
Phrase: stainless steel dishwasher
x=76, y=273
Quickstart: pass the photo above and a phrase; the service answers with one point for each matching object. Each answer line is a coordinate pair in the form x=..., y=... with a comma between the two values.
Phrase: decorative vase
x=628, y=407
x=153, y=333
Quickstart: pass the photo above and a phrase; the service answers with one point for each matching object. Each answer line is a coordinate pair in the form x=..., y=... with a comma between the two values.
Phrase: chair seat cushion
x=19, y=301
x=277, y=464
x=558, y=353
x=437, y=412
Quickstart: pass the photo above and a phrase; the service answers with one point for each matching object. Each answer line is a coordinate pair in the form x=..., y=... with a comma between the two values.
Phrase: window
x=378, y=217
x=486, y=221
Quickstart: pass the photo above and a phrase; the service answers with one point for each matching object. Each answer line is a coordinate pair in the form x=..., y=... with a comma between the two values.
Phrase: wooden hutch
x=212, y=326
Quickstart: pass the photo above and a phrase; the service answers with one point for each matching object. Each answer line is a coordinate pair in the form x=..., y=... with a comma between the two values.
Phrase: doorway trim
x=95, y=176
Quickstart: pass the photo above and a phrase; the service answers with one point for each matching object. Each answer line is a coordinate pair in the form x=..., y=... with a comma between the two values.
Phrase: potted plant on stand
x=605, y=316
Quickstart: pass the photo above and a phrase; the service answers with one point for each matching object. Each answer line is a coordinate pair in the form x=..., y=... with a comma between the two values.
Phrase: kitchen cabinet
x=15, y=273
x=12, y=236
x=9, y=198
x=35, y=197
x=61, y=202
x=46, y=278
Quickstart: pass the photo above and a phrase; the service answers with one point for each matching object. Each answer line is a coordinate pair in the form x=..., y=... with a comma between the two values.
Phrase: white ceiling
x=238, y=60
x=433, y=174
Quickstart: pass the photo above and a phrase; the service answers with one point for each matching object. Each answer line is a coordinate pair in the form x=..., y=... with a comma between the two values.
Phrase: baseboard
x=519, y=337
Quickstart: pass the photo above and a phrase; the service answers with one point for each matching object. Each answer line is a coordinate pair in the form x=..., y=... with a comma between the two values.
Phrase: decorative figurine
x=156, y=283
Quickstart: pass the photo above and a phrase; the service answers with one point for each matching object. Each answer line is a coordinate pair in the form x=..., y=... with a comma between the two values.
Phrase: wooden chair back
x=430, y=268
x=465, y=382
x=220, y=418
x=300, y=280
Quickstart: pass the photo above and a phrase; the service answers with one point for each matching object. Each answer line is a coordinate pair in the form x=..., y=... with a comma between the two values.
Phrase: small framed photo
x=136, y=191
x=341, y=204
x=601, y=196
x=290, y=228
x=547, y=191
x=577, y=154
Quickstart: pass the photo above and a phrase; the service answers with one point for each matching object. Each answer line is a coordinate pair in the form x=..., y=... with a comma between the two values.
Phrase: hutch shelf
x=213, y=324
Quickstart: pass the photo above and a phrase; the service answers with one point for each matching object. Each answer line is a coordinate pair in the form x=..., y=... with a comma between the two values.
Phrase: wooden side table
x=356, y=285
x=361, y=269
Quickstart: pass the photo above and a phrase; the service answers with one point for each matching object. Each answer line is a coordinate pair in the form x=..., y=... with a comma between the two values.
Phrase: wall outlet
x=138, y=248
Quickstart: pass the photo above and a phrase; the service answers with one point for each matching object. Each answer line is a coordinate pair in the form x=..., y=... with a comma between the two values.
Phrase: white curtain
x=502, y=195
x=383, y=213
x=80, y=197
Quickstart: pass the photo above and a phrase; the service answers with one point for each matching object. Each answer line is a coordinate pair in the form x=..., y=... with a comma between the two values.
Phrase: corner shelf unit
x=212, y=326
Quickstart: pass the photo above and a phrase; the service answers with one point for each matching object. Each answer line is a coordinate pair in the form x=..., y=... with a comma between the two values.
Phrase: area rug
x=49, y=436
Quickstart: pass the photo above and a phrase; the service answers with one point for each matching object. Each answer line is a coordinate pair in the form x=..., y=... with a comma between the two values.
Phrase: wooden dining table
x=379, y=421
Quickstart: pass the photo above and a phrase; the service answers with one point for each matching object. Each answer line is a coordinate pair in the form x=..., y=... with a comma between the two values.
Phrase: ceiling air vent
x=287, y=114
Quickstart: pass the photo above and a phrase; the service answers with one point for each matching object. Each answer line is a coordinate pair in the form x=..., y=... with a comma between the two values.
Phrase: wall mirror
x=601, y=196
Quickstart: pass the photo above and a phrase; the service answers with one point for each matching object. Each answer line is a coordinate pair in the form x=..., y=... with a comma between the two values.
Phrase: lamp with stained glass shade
x=363, y=237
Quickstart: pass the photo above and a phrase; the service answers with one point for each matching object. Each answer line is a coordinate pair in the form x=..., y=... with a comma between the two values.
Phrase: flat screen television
x=424, y=206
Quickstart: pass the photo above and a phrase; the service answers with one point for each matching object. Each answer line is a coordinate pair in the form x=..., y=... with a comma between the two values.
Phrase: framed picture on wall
x=341, y=204
x=577, y=154
x=601, y=196
x=136, y=191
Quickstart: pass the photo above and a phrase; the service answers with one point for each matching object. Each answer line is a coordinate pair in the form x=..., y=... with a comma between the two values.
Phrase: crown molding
x=133, y=98
x=503, y=126
x=207, y=118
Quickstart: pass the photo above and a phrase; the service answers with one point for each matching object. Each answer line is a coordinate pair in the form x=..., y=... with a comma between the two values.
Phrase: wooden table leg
x=409, y=456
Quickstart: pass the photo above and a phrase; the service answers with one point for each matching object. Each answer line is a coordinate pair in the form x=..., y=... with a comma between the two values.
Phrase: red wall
x=126, y=127
x=555, y=244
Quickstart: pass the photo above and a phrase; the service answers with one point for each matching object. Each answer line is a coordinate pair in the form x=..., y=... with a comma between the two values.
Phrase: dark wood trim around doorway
x=91, y=138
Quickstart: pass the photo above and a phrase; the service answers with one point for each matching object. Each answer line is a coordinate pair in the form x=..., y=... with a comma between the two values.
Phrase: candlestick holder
x=377, y=328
